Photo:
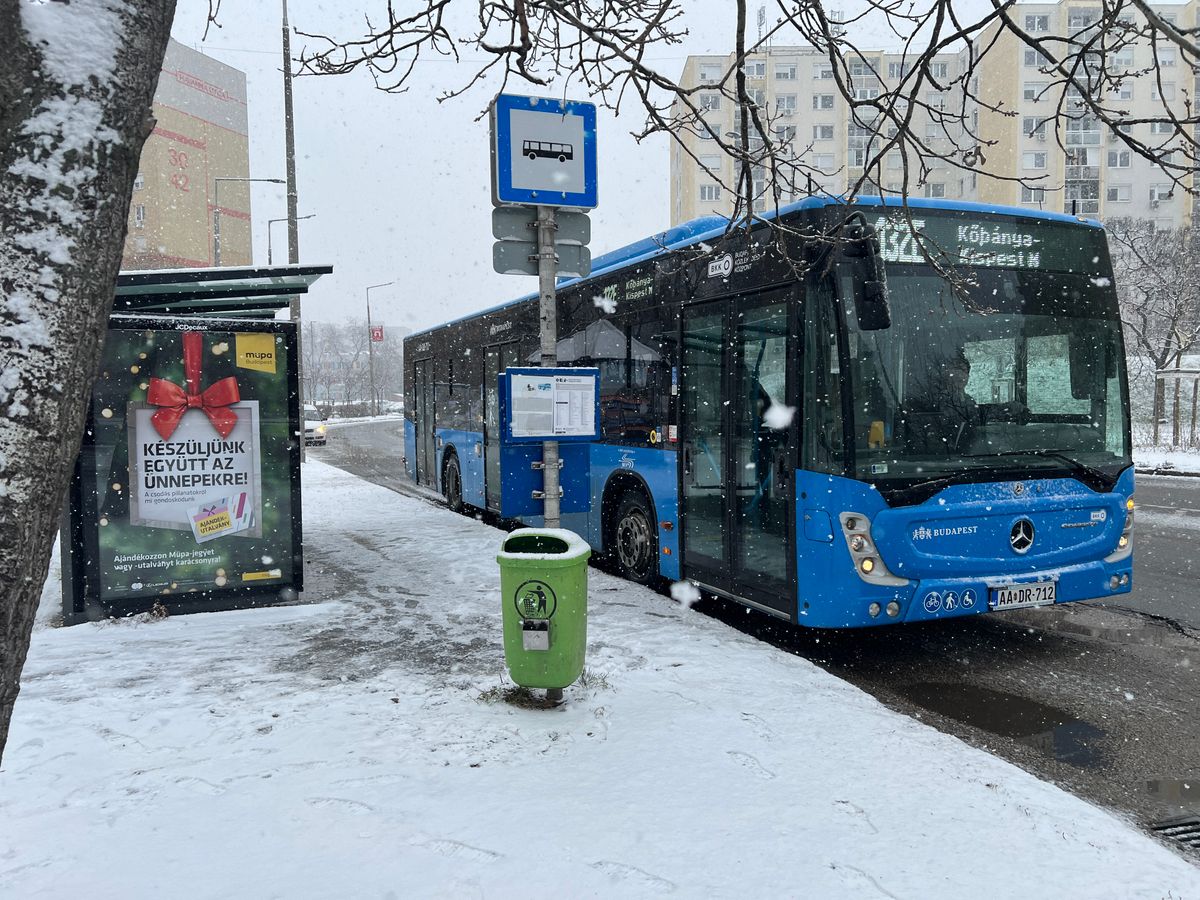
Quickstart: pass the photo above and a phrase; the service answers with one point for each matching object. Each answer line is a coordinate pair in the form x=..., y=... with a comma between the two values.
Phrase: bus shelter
x=186, y=490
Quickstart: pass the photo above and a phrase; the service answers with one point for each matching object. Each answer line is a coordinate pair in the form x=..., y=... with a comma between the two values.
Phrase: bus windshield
x=1024, y=375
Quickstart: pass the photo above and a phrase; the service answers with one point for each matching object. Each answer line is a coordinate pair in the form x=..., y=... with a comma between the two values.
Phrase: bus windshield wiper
x=1060, y=455
x=965, y=476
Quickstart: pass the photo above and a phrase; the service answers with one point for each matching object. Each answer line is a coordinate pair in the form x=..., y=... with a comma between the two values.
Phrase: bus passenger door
x=737, y=441
x=423, y=421
x=498, y=358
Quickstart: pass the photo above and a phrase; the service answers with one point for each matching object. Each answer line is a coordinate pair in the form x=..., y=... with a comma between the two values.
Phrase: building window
x=1035, y=160
x=1123, y=91
x=757, y=96
x=1119, y=159
x=139, y=216
x=895, y=160
x=822, y=71
x=939, y=69
x=1034, y=127
x=1119, y=193
x=936, y=100
x=710, y=102
x=1159, y=193
x=898, y=69
x=785, y=134
x=933, y=130
x=860, y=69
x=822, y=132
x=823, y=161
x=1162, y=127
x=705, y=132
x=1034, y=58
x=1032, y=91
x=866, y=93
x=1037, y=24
x=785, y=71
x=785, y=104
x=711, y=163
x=1032, y=195
x=1166, y=56
x=822, y=101
x=710, y=74
x=1166, y=92
x=710, y=192
x=1080, y=18
x=755, y=69
x=1122, y=60
x=139, y=182
x=935, y=190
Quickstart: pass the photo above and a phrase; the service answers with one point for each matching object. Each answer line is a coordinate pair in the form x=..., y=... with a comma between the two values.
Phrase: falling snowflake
x=685, y=593
x=779, y=416
x=608, y=304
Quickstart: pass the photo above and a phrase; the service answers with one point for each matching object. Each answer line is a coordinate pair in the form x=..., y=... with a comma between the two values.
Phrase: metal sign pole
x=547, y=268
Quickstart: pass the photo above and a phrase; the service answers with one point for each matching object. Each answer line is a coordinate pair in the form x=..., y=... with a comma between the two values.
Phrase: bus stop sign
x=543, y=152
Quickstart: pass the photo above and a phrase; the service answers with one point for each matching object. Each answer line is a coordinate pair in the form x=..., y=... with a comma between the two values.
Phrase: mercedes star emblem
x=1021, y=536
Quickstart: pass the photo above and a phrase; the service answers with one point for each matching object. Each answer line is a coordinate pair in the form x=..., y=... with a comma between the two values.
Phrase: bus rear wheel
x=634, y=539
x=452, y=485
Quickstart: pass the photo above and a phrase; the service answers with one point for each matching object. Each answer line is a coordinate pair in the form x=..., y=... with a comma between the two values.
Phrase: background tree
x=606, y=51
x=1160, y=301
x=76, y=81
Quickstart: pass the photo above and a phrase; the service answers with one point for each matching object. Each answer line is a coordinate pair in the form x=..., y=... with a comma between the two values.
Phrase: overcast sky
x=399, y=183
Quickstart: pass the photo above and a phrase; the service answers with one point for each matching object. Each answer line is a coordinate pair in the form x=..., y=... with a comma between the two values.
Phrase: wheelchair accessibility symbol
x=535, y=600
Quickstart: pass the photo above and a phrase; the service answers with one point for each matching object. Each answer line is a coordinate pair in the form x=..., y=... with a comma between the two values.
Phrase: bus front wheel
x=531, y=155
x=452, y=485
x=634, y=539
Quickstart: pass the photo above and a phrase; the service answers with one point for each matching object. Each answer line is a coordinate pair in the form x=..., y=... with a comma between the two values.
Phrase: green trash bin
x=543, y=582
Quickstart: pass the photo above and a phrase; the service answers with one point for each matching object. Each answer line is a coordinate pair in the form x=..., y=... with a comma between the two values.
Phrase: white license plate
x=1018, y=596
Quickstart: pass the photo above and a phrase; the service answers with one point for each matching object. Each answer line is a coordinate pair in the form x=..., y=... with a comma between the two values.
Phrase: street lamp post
x=217, y=209
x=271, y=222
x=371, y=347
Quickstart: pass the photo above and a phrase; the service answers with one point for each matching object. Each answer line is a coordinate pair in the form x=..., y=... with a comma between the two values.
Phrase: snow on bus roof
x=706, y=228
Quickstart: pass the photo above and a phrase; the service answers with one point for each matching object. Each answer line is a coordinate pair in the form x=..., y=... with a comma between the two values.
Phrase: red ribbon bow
x=175, y=401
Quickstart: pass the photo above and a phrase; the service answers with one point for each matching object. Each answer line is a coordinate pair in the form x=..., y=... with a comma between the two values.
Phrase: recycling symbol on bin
x=535, y=599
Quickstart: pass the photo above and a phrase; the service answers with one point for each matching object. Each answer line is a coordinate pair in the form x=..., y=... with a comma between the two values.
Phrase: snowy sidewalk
x=355, y=747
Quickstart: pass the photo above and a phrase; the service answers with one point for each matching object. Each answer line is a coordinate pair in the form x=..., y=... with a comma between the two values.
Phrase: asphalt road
x=1098, y=697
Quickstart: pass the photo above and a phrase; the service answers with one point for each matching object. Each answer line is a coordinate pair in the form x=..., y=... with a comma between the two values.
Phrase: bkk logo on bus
x=976, y=244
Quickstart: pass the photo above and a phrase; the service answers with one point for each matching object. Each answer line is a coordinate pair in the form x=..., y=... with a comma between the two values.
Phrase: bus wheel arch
x=630, y=529
x=452, y=480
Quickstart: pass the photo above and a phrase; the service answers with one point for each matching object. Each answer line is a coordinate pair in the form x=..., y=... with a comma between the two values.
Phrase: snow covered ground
x=358, y=746
x=1165, y=458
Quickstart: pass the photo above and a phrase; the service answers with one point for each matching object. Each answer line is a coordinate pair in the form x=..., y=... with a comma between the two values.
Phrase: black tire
x=452, y=484
x=634, y=539
x=532, y=156
x=562, y=159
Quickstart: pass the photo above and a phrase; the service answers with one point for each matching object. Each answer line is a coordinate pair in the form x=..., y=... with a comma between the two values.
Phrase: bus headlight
x=868, y=563
x=1125, y=541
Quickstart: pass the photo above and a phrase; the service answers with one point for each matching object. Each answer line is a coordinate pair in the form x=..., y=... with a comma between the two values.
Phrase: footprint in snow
x=350, y=806
x=458, y=850
x=623, y=872
x=749, y=762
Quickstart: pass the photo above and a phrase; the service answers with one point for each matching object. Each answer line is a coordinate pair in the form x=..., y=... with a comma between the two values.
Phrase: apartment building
x=201, y=134
x=809, y=121
x=1096, y=175
x=794, y=88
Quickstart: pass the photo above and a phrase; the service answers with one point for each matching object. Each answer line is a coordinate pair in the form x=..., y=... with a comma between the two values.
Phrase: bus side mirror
x=866, y=276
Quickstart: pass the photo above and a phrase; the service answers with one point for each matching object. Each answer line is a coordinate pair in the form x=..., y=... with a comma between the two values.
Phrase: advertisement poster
x=195, y=461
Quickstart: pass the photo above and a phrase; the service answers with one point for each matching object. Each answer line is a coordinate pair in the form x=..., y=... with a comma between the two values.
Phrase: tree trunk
x=71, y=135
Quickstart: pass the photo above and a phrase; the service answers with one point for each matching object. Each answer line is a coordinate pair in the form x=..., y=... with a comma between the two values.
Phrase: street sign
x=376, y=333
x=518, y=223
x=520, y=258
x=543, y=152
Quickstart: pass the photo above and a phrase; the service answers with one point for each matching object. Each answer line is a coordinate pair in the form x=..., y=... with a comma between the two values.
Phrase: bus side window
x=821, y=429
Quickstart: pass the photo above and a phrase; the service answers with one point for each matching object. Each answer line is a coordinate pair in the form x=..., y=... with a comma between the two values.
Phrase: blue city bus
x=855, y=414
